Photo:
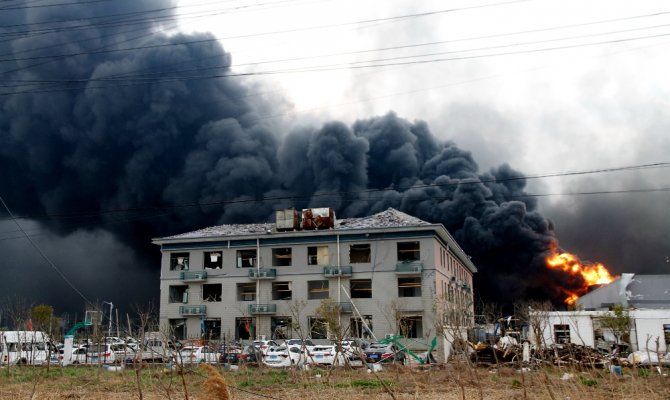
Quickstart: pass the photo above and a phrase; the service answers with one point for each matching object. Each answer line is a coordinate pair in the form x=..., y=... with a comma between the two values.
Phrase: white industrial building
x=387, y=271
x=646, y=299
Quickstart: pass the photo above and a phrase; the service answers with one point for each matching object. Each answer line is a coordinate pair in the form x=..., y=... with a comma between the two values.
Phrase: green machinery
x=395, y=339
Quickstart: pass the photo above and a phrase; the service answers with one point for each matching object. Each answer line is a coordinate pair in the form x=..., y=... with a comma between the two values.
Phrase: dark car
x=386, y=353
x=249, y=354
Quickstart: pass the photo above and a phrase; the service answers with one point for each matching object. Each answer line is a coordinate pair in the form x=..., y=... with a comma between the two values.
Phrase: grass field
x=450, y=382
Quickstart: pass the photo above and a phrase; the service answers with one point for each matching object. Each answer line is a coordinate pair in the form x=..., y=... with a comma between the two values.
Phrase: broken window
x=318, y=328
x=666, y=333
x=211, y=292
x=411, y=326
x=178, y=294
x=245, y=328
x=317, y=255
x=281, y=328
x=359, y=253
x=281, y=291
x=178, y=261
x=360, y=288
x=211, y=329
x=213, y=260
x=561, y=333
x=409, y=287
x=246, y=291
x=317, y=290
x=409, y=251
x=361, y=327
x=281, y=257
x=246, y=258
x=177, y=328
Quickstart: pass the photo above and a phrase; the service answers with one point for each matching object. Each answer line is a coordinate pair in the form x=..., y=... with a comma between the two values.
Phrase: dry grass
x=451, y=382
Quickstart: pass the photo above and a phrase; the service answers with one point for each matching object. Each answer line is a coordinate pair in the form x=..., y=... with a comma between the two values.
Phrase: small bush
x=516, y=383
x=588, y=381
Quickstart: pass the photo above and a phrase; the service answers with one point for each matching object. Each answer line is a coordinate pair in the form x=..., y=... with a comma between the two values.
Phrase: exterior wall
x=647, y=328
x=441, y=270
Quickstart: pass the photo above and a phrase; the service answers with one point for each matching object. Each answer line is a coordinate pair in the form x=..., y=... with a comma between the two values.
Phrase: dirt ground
x=400, y=383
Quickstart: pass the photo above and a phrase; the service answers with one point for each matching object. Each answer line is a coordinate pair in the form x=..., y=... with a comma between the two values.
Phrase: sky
x=597, y=101
x=111, y=122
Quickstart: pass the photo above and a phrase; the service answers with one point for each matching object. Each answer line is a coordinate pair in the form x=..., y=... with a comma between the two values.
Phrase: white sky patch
x=592, y=102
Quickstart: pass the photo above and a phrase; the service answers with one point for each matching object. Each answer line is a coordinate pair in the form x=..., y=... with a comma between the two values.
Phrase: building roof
x=634, y=290
x=390, y=218
x=387, y=220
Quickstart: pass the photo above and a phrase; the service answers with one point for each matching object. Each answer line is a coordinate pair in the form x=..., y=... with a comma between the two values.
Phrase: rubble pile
x=571, y=354
x=560, y=355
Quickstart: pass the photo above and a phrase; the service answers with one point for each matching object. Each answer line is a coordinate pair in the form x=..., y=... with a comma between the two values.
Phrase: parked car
x=249, y=354
x=352, y=348
x=383, y=352
x=78, y=355
x=100, y=353
x=326, y=355
x=283, y=356
x=196, y=355
x=264, y=345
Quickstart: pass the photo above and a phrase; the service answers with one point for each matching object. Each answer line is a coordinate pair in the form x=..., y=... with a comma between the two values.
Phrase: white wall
x=647, y=328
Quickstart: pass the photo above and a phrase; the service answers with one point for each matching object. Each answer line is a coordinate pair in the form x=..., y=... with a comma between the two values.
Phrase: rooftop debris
x=390, y=218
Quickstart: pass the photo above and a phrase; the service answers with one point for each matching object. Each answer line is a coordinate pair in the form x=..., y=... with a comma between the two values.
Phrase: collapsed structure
x=390, y=273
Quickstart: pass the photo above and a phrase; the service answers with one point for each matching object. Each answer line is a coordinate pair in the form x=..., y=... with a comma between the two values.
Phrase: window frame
x=323, y=291
x=410, y=286
x=174, y=261
x=244, y=255
x=355, y=292
x=360, y=253
x=408, y=251
x=282, y=256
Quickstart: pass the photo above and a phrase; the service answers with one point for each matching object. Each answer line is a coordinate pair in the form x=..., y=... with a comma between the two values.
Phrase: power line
x=44, y=256
x=298, y=196
x=322, y=68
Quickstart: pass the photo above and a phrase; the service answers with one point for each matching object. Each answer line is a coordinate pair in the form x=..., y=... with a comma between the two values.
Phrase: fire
x=592, y=274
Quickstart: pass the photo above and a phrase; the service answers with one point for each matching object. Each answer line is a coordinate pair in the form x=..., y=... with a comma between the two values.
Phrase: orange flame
x=592, y=274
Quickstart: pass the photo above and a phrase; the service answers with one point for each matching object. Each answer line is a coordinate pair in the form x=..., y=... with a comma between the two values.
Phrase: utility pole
x=111, y=307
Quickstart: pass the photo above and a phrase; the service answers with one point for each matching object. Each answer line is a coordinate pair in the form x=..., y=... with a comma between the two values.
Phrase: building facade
x=649, y=329
x=390, y=273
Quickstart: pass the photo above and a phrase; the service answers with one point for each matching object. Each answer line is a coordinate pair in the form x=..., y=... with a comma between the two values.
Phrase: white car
x=298, y=342
x=282, y=356
x=264, y=345
x=326, y=355
x=197, y=355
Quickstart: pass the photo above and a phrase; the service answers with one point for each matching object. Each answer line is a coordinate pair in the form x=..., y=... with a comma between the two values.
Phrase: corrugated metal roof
x=390, y=218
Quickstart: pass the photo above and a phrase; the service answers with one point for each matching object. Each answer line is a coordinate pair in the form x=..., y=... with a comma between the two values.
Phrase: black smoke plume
x=103, y=148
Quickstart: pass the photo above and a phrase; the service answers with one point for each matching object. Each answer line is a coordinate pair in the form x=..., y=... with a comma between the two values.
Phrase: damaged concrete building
x=390, y=273
x=646, y=299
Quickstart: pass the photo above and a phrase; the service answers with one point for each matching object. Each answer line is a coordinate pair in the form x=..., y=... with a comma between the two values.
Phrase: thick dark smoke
x=75, y=151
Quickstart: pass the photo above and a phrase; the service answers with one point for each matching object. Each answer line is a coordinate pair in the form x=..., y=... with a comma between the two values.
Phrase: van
x=25, y=347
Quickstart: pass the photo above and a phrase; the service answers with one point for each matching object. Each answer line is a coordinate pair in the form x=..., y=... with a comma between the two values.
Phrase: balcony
x=268, y=273
x=333, y=271
x=262, y=308
x=193, y=276
x=192, y=310
x=346, y=307
x=409, y=268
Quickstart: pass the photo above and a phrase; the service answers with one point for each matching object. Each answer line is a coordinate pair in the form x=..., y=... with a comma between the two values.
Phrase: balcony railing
x=346, y=307
x=192, y=310
x=193, y=276
x=267, y=273
x=262, y=308
x=332, y=271
x=409, y=268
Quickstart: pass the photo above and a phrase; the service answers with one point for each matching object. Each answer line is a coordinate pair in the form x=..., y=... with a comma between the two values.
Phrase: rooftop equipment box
x=318, y=218
x=288, y=219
